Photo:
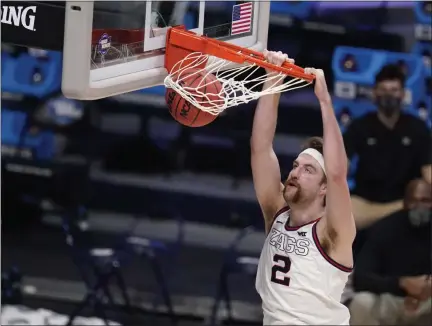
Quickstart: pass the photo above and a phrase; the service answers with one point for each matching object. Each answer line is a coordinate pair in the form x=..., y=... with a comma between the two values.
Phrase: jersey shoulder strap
x=281, y=216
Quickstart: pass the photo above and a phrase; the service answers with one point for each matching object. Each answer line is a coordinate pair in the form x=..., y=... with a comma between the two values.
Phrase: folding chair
x=234, y=263
x=151, y=251
x=98, y=266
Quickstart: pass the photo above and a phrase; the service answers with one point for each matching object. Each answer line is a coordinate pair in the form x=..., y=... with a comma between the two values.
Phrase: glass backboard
x=117, y=47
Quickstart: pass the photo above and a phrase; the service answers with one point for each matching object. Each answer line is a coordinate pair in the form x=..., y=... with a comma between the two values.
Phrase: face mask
x=419, y=216
x=388, y=104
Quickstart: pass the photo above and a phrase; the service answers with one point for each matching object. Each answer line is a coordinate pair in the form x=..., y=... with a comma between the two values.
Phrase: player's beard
x=292, y=198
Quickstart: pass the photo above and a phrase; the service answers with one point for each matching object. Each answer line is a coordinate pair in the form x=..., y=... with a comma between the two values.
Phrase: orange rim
x=180, y=43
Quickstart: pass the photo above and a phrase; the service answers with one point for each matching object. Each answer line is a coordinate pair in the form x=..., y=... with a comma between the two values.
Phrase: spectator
x=392, y=278
x=393, y=147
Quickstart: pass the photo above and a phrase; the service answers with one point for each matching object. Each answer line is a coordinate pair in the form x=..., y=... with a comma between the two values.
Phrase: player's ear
x=323, y=188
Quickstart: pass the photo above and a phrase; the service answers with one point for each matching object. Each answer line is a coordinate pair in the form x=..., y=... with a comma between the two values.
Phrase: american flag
x=241, y=18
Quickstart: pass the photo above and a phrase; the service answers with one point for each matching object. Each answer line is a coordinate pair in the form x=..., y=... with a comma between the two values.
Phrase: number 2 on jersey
x=284, y=269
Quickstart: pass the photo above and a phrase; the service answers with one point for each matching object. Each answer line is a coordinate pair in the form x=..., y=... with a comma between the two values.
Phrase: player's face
x=304, y=183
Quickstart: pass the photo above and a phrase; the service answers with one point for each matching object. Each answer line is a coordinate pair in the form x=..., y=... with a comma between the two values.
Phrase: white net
x=237, y=85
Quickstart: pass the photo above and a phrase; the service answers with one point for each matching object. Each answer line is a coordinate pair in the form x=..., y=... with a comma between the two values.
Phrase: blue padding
x=157, y=90
x=369, y=63
x=17, y=74
x=421, y=16
x=351, y=183
x=420, y=48
x=425, y=116
x=5, y=60
x=190, y=21
x=298, y=9
x=12, y=124
x=357, y=108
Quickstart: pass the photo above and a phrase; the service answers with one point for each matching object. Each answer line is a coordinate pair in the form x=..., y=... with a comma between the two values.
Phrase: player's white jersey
x=298, y=283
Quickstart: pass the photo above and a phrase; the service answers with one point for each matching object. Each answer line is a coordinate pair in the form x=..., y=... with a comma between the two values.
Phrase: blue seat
x=15, y=133
x=18, y=74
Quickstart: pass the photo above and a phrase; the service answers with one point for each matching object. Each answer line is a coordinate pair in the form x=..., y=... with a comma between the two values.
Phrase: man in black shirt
x=392, y=278
x=393, y=147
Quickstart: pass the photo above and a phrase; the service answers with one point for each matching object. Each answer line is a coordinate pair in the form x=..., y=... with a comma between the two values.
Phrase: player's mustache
x=292, y=182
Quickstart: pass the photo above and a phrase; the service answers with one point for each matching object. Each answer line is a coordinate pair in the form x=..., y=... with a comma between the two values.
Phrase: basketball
x=186, y=113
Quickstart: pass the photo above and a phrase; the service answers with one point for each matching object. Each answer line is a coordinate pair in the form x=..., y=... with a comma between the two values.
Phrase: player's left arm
x=339, y=220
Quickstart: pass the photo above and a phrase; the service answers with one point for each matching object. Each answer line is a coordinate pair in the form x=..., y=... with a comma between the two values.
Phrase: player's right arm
x=265, y=166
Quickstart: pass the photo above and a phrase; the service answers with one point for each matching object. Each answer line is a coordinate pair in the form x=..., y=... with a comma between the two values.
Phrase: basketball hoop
x=186, y=50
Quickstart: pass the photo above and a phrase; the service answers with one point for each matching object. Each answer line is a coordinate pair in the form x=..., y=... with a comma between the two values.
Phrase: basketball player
x=307, y=257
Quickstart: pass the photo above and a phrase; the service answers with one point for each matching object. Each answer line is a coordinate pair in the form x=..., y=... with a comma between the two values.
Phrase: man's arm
x=369, y=274
x=339, y=219
x=265, y=166
x=366, y=276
